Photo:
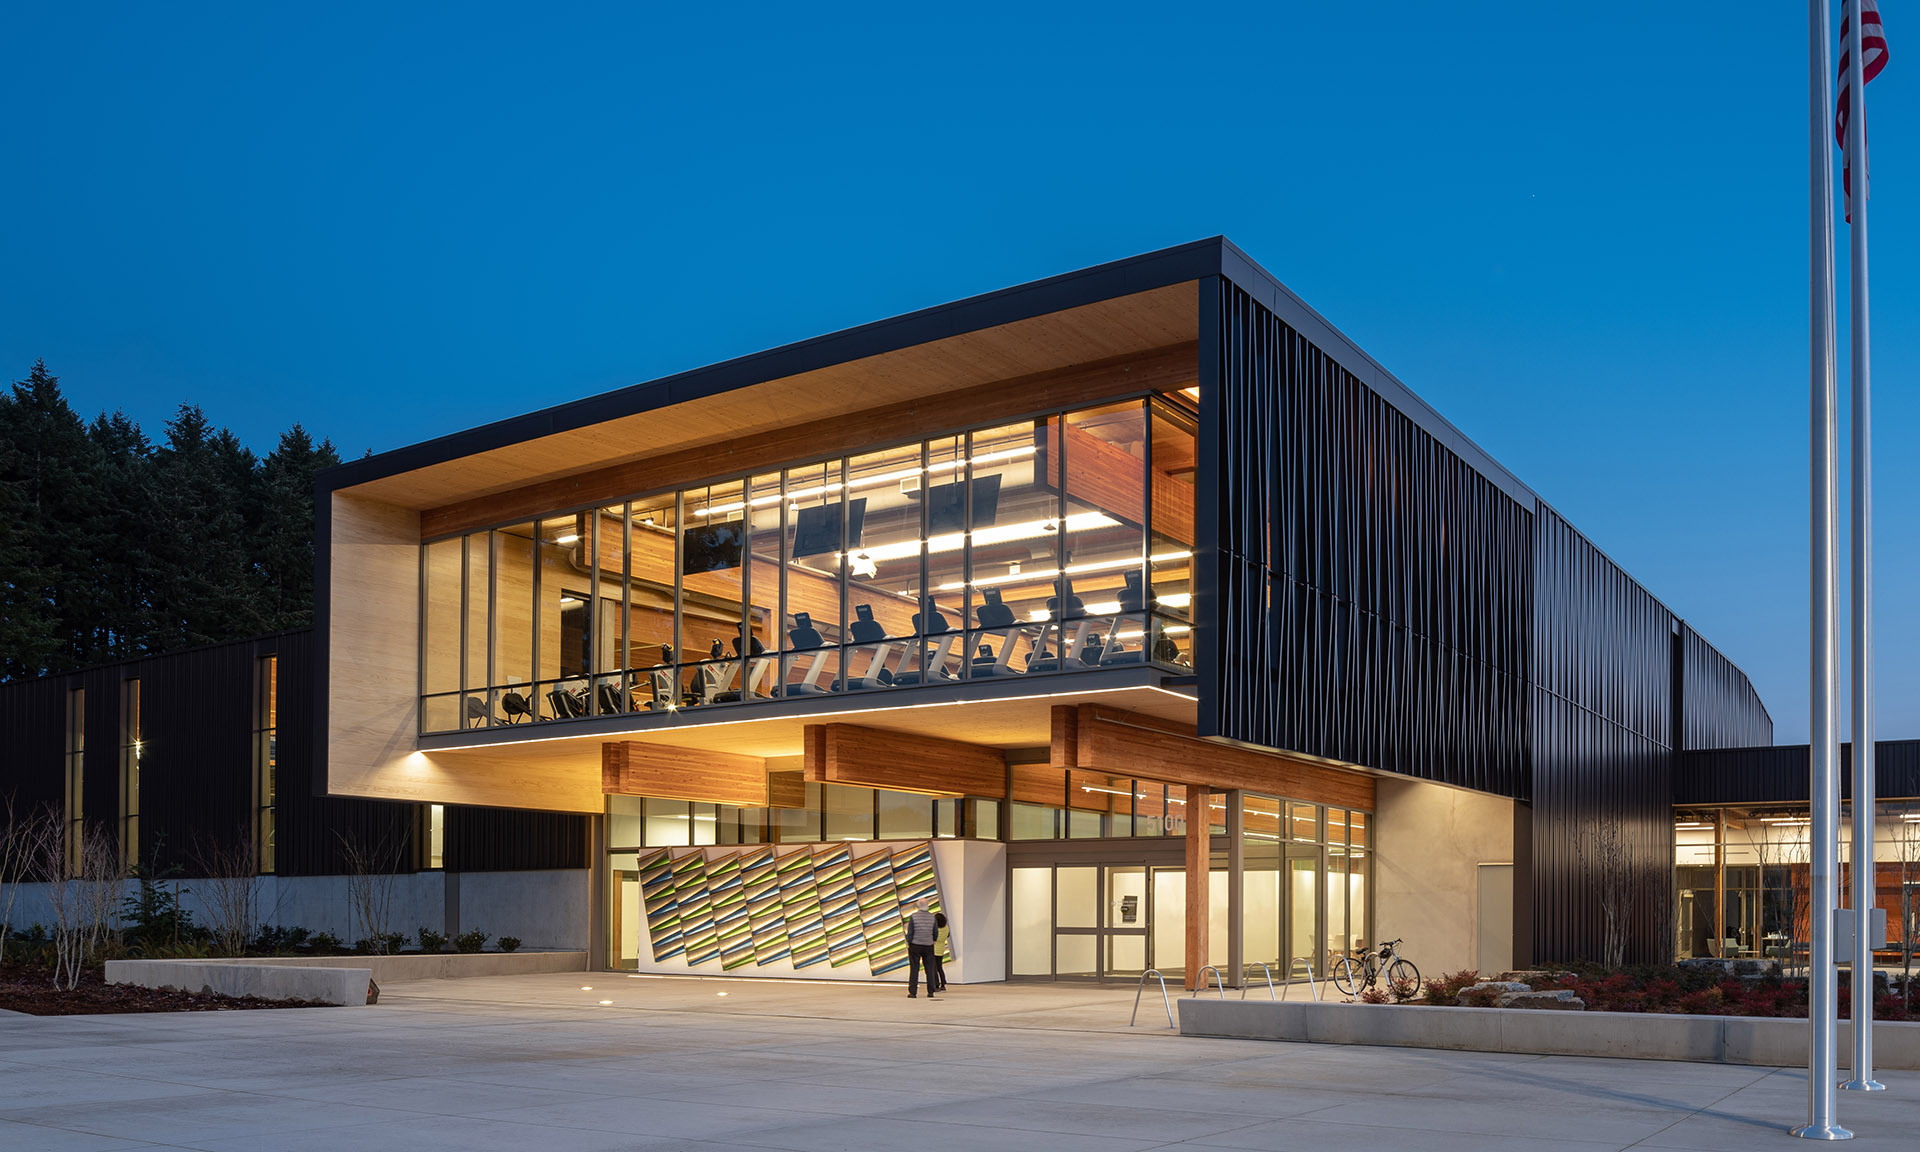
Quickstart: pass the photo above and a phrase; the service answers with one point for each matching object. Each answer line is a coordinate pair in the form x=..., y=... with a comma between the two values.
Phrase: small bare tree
x=21, y=855
x=370, y=871
x=230, y=892
x=81, y=905
x=1611, y=861
x=1906, y=838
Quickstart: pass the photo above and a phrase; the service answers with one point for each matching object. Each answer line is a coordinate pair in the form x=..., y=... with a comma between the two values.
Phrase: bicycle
x=1353, y=977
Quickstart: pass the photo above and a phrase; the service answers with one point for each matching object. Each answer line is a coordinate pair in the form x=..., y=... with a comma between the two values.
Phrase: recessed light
x=606, y=1001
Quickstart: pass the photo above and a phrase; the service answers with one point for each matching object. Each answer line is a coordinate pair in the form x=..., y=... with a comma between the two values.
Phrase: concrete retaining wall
x=1780, y=1043
x=329, y=985
x=444, y=966
x=546, y=909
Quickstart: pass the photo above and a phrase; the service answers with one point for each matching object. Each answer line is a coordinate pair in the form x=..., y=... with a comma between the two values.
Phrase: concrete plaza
x=538, y=1062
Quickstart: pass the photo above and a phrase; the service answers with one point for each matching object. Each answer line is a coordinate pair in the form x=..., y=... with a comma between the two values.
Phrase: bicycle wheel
x=1401, y=970
x=1346, y=975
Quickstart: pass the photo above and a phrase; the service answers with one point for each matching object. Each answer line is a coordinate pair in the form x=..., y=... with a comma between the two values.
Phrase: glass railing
x=890, y=664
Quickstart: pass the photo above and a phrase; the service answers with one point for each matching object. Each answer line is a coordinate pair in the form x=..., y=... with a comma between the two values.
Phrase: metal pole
x=1823, y=751
x=1861, y=561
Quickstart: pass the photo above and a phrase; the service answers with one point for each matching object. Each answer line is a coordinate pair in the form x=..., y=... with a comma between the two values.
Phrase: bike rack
x=1303, y=962
x=1262, y=965
x=1219, y=982
x=1155, y=973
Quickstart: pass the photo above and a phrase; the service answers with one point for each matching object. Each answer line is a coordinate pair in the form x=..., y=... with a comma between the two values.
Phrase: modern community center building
x=1134, y=615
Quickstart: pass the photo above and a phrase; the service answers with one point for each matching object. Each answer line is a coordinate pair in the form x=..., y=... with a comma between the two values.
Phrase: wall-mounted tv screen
x=947, y=505
x=816, y=531
x=712, y=547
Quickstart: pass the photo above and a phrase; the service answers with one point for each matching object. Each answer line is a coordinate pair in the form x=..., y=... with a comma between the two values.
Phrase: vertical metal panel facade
x=1379, y=601
x=495, y=839
x=1603, y=660
x=1373, y=593
x=33, y=745
x=197, y=768
x=311, y=826
x=1778, y=775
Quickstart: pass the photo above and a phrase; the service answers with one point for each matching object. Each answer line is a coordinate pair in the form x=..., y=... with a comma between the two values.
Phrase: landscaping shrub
x=274, y=940
x=472, y=941
x=1403, y=991
x=1373, y=996
x=1446, y=990
x=509, y=943
x=326, y=944
x=380, y=944
x=431, y=941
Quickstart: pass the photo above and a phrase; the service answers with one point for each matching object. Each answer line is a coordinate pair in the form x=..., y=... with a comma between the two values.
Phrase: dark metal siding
x=197, y=770
x=1603, y=663
x=1721, y=709
x=1778, y=775
x=33, y=746
x=497, y=839
x=312, y=826
x=1373, y=590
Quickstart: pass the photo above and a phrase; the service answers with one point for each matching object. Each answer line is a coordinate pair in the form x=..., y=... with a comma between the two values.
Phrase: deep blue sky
x=1579, y=232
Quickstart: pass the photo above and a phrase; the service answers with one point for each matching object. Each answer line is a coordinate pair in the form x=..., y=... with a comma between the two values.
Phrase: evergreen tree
x=112, y=548
x=284, y=544
x=125, y=572
x=207, y=589
x=53, y=474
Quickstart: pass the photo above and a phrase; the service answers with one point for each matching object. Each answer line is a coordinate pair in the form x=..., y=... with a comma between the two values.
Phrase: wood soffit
x=1106, y=332
x=1160, y=370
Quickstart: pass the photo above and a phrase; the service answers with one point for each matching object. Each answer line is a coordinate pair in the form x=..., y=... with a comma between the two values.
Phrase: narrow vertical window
x=266, y=751
x=436, y=835
x=132, y=748
x=76, y=775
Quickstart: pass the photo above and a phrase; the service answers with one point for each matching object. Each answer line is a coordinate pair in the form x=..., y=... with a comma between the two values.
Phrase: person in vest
x=937, y=975
x=920, y=937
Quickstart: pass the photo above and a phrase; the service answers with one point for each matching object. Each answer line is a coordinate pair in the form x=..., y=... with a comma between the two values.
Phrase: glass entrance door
x=1081, y=921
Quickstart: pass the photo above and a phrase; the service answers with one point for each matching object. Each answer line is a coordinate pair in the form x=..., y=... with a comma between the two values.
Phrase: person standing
x=920, y=937
x=937, y=975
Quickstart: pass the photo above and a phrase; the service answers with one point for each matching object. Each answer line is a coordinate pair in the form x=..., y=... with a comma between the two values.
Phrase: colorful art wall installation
x=809, y=905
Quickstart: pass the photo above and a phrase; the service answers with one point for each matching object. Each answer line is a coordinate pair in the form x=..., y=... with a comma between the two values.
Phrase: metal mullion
x=534, y=613
x=626, y=601
x=466, y=544
x=743, y=635
x=679, y=585
x=590, y=539
x=423, y=646
x=781, y=615
x=924, y=593
x=967, y=614
x=846, y=602
x=493, y=617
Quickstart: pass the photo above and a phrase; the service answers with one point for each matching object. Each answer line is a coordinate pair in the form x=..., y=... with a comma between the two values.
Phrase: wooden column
x=1199, y=884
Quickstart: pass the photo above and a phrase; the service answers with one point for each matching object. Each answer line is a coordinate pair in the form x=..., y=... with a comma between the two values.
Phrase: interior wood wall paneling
x=1163, y=369
x=1114, y=480
x=628, y=768
x=902, y=761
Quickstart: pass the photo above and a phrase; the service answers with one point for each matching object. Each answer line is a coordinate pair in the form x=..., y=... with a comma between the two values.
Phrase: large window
x=810, y=813
x=266, y=755
x=1048, y=545
x=132, y=748
x=76, y=767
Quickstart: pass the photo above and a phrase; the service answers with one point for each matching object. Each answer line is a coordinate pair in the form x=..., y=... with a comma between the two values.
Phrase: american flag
x=1873, y=57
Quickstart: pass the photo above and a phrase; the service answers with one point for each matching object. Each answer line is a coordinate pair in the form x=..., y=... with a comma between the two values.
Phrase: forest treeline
x=115, y=546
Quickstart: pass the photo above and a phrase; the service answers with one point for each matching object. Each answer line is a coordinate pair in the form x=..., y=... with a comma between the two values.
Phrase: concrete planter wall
x=1780, y=1043
x=439, y=966
x=336, y=985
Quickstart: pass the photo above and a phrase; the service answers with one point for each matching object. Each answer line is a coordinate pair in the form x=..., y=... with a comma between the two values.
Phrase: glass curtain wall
x=819, y=813
x=1048, y=545
x=1307, y=879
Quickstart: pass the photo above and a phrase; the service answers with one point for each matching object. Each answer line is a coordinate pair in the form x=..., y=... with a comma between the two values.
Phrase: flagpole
x=1861, y=562
x=1823, y=751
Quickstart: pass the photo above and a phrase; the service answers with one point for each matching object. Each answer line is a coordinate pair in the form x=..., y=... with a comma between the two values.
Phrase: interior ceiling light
x=569, y=538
